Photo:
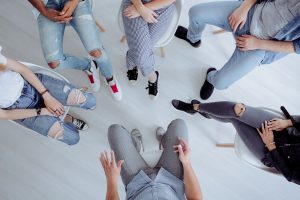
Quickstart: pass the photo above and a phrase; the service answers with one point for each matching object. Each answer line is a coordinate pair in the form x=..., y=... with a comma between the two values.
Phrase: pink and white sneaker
x=115, y=89
x=94, y=76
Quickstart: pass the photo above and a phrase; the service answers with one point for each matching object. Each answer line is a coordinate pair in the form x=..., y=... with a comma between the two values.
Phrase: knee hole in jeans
x=53, y=64
x=76, y=97
x=96, y=53
x=239, y=109
x=56, y=131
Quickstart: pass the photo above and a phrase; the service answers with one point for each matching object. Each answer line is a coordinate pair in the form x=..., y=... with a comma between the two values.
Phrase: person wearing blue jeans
x=37, y=101
x=258, y=40
x=52, y=21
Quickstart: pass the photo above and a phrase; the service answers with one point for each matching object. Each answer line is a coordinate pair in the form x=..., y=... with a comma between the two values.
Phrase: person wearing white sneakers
x=52, y=19
x=173, y=176
x=36, y=101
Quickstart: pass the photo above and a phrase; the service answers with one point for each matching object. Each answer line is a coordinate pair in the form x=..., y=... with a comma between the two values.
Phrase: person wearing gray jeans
x=165, y=180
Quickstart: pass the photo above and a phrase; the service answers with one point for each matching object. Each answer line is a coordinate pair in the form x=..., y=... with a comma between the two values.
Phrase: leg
x=214, y=13
x=85, y=25
x=51, y=36
x=133, y=161
x=53, y=128
x=240, y=64
x=140, y=51
x=169, y=160
x=229, y=110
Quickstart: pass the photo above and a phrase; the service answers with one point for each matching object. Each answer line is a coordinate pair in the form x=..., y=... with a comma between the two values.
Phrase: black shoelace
x=152, y=88
x=132, y=74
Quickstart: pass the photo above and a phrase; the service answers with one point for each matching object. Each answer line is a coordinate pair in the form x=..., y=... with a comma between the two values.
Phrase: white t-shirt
x=11, y=86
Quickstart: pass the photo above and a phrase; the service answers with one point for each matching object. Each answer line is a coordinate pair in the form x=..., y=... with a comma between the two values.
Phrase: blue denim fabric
x=52, y=33
x=59, y=89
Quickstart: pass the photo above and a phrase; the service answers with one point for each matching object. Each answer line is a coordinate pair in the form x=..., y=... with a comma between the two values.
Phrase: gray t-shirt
x=270, y=17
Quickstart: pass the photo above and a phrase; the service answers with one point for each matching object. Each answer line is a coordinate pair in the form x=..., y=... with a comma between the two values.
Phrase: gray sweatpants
x=142, y=37
x=245, y=125
x=124, y=147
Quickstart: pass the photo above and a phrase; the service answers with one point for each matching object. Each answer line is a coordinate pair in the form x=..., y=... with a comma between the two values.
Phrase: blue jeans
x=52, y=33
x=241, y=62
x=59, y=89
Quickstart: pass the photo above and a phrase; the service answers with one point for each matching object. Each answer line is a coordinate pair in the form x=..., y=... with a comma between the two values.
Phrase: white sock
x=152, y=77
x=3, y=60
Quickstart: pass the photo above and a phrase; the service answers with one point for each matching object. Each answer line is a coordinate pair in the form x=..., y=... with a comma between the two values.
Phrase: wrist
x=271, y=146
x=112, y=182
x=289, y=123
x=186, y=164
x=260, y=44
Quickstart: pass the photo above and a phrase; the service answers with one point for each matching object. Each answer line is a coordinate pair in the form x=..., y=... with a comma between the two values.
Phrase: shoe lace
x=152, y=88
x=132, y=74
x=78, y=123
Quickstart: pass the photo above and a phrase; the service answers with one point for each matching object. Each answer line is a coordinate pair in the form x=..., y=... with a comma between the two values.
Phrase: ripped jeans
x=59, y=89
x=83, y=22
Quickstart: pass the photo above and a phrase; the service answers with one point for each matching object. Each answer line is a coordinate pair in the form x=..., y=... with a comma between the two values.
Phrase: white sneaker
x=115, y=89
x=3, y=60
x=94, y=76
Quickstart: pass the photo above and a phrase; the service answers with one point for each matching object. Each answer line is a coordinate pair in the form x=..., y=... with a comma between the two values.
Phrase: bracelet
x=38, y=111
x=44, y=92
x=267, y=145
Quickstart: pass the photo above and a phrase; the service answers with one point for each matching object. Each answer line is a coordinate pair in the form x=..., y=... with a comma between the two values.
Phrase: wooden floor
x=33, y=167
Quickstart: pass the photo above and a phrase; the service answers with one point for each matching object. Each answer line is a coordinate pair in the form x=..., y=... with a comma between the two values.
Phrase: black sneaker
x=79, y=124
x=181, y=33
x=133, y=75
x=186, y=107
x=153, y=88
x=207, y=88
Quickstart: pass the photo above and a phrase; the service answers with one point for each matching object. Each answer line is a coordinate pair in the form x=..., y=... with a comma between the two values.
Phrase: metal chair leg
x=162, y=52
x=225, y=145
x=100, y=26
x=123, y=39
x=219, y=31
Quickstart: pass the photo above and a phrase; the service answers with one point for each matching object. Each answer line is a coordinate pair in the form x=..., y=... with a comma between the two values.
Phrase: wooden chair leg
x=219, y=31
x=162, y=52
x=225, y=145
x=100, y=26
x=123, y=39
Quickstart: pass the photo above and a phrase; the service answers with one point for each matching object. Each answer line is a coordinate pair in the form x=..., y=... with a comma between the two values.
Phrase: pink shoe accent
x=114, y=88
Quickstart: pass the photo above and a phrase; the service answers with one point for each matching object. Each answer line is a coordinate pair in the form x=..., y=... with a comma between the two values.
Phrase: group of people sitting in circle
x=37, y=101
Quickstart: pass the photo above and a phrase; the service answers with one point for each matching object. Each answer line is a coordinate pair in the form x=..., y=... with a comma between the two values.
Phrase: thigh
x=122, y=144
x=251, y=138
x=214, y=13
x=59, y=89
x=51, y=37
x=39, y=124
x=84, y=24
x=165, y=16
x=169, y=159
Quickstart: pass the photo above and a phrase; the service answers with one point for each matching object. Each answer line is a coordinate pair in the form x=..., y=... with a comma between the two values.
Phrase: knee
x=178, y=125
x=196, y=12
x=239, y=109
x=53, y=64
x=114, y=130
x=96, y=53
x=58, y=132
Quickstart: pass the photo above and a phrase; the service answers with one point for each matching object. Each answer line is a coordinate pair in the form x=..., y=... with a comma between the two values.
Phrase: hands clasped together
x=146, y=13
x=63, y=16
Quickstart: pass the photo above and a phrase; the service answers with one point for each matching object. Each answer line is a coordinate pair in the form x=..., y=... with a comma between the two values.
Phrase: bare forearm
x=277, y=46
x=158, y=4
x=27, y=74
x=247, y=4
x=112, y=191
x=17, y=114
x=192, y=186
x=39, y=5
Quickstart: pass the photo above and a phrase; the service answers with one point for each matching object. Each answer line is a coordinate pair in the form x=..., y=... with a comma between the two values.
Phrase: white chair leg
x=225, y=145
x=219, y=31
x=100, y=26
x=123, y=39
x=162, y=52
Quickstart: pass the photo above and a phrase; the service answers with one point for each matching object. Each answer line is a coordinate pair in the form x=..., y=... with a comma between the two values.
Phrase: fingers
x=120, y=163
x=242, y=24
x=113, y=162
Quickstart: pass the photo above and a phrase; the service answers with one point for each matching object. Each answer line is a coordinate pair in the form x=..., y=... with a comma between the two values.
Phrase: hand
x=266, y=134
x=45, y=111
x=68, y=9
x=148, y=15
x=54, y=106
x=131, y=12
x=111, y=169
x=247, y=42
x=183, y=150
x=277, y=124
x=55, y=16
x=238, y=18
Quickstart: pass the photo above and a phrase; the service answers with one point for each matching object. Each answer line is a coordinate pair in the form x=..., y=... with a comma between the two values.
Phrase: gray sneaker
x=137, y=139
x=159, y=134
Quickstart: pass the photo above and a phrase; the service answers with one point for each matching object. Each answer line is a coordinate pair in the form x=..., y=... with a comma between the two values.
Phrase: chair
x=244, y=154
x=168, y=35
x=36, y=13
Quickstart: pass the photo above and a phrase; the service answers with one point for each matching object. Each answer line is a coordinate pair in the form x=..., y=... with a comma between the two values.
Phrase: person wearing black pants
x=271, y=137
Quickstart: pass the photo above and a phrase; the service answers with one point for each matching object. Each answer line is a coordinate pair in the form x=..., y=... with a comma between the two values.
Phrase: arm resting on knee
x=192, y=186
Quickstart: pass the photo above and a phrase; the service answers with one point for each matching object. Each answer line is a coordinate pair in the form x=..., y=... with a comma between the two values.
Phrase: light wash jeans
x=52, y=33
x=241, y=62
x=60, y=90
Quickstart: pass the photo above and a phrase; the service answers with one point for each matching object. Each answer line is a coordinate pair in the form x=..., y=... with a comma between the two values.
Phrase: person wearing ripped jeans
x=37, y=101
